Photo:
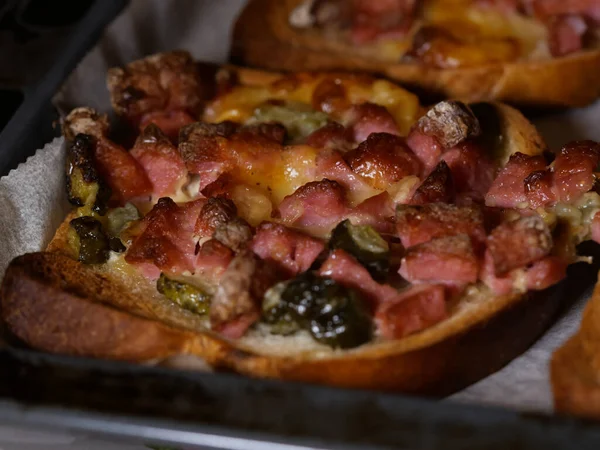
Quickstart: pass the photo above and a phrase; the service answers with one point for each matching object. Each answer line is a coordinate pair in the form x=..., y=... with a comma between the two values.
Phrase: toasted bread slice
x=54, y=303
x=59, y=305
x=263, y=37
x=575, y=367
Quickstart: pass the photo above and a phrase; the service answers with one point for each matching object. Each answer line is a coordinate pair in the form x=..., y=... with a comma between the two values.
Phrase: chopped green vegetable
x=119, y=218
x=85, y=187
x=185, y=295
x=365, y=244
x=91, y=244
x=333, y=314
x=275, y=311
x=299, y=119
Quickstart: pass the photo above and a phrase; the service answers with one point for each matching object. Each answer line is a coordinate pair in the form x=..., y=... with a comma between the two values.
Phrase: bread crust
x=575, y=366
x=263, y=29
x=58, y=305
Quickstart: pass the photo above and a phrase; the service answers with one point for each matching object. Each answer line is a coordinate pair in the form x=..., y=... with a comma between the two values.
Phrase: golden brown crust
x=574, y=384
x=56, y=304
x=263, y=29
x=47, y=306
x=575, y=367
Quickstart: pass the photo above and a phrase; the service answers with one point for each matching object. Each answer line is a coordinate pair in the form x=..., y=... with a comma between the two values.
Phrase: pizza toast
x=111, y=303
x=265, y=28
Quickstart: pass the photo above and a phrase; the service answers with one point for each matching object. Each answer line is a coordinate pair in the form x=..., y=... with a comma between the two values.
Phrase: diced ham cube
x=418, y=307
x=539, y=188
x=344, y=269
x=161, y=161
x=212, y=260
x=472, y=172
x=448, y=260
x=437, y=187
x=418, y=224
x=318, y=205
x=508, y=189
x=368, y=118
x=169, y=122
x=383, y=159
x=545, y=273
x=518, y=243
x=292, y=251
x=332, y=135
x=574, y=169
x=566, y=34
x=427, y=148
x=125, y=176
x=167, y=237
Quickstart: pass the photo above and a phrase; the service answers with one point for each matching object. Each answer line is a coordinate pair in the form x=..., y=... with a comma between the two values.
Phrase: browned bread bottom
x=56, y=304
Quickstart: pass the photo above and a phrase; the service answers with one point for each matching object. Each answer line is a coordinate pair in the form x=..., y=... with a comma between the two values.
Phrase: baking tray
x=163, y=406
x=32, y=124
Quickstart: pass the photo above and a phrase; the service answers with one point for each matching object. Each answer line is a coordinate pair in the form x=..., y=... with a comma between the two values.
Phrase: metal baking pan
x=31, y=124
x=219, y=410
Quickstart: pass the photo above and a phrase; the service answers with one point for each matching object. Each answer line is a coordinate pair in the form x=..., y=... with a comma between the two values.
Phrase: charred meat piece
x=273, y=131
x=472, y=171
x=448, y=260
x=368, y=118
x=332, y=135
x=84, y=121
x=235, y=234
x=160, y=160
x=215, y=212
x=437, y=187
x=418, y=224
x=218, y=218
x=292, y=251
x=318, y=205
x=508, y=189
x=538, y=188
x=202, y=151
x=574, y=169
x=413, y=309
x=383, y=159
x=165, y=239
x=85, y=186
x=161, y=82
x=450, y=122
x=519, y=243
x=212, y=150
x=235, y=305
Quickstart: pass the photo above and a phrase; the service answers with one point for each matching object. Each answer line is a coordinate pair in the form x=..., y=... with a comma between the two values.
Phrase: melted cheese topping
x=241, y=101
x=267, y=184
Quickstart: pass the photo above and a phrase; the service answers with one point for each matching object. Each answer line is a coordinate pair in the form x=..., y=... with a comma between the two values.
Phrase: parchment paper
x=32, y=200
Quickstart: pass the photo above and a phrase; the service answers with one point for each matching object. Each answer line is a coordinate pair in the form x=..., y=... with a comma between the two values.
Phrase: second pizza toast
x=527, y=52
